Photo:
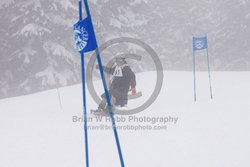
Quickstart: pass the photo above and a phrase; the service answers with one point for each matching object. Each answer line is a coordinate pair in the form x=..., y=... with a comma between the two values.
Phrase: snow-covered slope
x=36, y=131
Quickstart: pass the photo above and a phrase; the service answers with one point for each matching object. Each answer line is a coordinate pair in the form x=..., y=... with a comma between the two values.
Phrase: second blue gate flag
x=200, y=43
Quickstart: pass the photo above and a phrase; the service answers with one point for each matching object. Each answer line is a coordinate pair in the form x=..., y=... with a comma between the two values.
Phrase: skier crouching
x=123, y=80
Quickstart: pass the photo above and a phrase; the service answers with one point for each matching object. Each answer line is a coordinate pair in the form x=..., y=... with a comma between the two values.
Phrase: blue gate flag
x=84, y=36
x=199, y=43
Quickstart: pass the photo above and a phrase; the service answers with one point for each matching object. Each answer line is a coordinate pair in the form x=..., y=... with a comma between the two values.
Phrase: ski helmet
x=120, y=60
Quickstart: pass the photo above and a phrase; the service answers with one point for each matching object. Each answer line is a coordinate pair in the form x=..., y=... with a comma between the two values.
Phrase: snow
x=50, y=75
x=35, y=131
x=59, y=20
x=32, y=29
x=56, y=49
x=36, y=4
x=5, y=3
x=136, y=2
x=127, y=18
x=115, y=23
x=26, y=53
x=66, y=4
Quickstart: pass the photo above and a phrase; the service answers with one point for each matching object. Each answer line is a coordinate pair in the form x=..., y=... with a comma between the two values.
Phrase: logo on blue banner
x=84, y=37
x=199, y=43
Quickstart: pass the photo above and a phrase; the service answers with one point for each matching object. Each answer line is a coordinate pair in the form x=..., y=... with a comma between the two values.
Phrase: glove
x=97, y=67
x=133, y=90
